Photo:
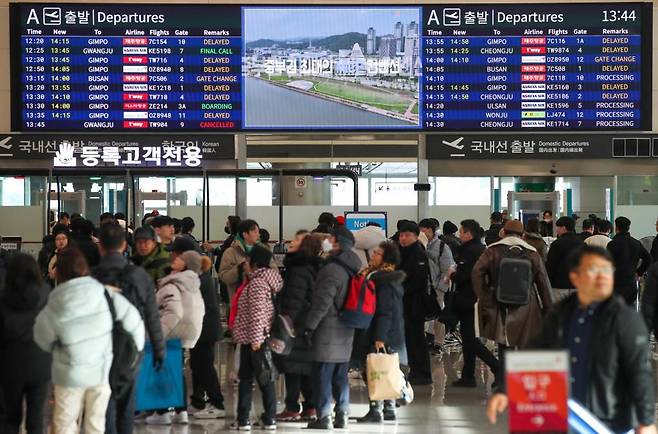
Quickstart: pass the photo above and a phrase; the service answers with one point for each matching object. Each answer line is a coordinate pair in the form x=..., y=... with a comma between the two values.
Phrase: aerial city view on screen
x=339, y=68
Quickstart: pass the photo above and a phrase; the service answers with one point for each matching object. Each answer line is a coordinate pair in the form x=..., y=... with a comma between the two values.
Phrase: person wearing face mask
x=231, y=268
x=302, y=263
x=546, y=225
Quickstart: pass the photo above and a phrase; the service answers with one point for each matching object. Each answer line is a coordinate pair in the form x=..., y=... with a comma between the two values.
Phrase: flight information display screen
x=534, y=67
x=195, y=67
x=127, y=67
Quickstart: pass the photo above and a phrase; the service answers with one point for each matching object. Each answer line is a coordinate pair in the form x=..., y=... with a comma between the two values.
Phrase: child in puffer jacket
x=252, y=324
x=181, y=314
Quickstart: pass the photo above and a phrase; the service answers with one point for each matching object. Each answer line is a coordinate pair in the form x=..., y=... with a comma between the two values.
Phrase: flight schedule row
x=526, y=82
x=109, y=82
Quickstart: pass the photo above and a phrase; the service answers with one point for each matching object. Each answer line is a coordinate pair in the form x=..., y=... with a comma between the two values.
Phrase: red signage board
x=538, y=390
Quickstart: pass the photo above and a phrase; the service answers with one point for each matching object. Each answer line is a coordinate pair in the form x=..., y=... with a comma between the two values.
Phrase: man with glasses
x=608, y=347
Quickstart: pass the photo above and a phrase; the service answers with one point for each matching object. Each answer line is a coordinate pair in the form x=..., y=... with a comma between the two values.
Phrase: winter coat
x=650, y=299
x=76, y=326
x=255, y=313
x=230, y=269
x=465, y=297
x=455, y=244
x=46, y=253
x=157, y=263
x=520, y=323
x=181, y=307
x=598, y=240
x=366, y=240
x=536, y=241
x=212, y=327
x=21, y=357
x=492, y=234
x=654, y=249
x=113, y=267
x=332, y=341
x=415, y=264
x=294, y=301
x=557, y=261
x=388, y=323
x=620, y=386
x=546, y=228
x=441, y=261
x=627, y=253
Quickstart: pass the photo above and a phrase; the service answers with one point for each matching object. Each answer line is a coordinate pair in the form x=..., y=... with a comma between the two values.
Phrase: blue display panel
x=194, y=67
x=127, y=67
x=537, y=67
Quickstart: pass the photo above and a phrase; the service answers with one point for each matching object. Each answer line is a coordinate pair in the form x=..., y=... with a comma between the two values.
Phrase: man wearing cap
x=149, y=254
x=330, y=339
x=510, y=326
x=557, y=262
x=415, y=264
x=164, y=230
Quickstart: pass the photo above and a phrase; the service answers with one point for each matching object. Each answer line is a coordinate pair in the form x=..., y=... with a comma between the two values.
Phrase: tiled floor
x=436, y=409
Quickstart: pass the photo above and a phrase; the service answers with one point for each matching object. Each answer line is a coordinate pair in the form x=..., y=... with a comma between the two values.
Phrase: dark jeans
x=35, y=395
x=417, y=352
x=246, y=377
x=119, y=418
x=204, y=377
x=297, y=384
x=330, y=383
x=473, y=346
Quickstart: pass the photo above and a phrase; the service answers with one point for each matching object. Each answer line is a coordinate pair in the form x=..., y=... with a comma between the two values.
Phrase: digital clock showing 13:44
x=613, y=15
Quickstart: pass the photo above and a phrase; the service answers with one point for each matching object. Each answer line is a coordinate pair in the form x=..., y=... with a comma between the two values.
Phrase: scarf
x=384, y=267
x=247, y=248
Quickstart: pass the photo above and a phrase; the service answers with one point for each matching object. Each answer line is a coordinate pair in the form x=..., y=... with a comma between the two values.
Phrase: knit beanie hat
x=344, y=237
x=195, y=262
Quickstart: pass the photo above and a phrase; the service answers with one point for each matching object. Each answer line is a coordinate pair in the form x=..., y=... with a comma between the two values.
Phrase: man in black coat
x=654, y=246
x=557, y=264
x=491, y=235
x=202, y=357
x=464, y=306
x=610, y=358
x=415, y=265
x=627, y=253
x=136, y=285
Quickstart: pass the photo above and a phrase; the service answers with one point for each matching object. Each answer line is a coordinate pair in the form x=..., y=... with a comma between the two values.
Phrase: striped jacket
x=255, y=307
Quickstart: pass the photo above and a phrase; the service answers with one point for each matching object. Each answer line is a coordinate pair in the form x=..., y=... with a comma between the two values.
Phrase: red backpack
x=360, y=303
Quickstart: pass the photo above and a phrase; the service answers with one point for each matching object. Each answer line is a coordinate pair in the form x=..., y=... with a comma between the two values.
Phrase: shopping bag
x=164, y=389
x=384, y=379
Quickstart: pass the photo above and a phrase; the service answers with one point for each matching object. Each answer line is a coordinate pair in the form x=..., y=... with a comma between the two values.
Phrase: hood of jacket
x=511, y=241
x=186, y=280
x=298, y=259
x=394, y=278
x=368, y=238
x=348, y=259
x=21, y=308
x=71, y=299
x=270, y=276
x=534, y=236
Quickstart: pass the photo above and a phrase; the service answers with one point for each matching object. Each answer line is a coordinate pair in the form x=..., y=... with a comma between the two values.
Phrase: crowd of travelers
x=71, y=317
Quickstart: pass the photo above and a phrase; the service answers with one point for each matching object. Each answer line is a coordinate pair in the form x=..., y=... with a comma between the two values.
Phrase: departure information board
x=164, y=67
x=195, y=67
x=534, y=67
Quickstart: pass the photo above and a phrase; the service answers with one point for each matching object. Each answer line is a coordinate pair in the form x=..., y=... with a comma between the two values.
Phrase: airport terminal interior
x=395, y=118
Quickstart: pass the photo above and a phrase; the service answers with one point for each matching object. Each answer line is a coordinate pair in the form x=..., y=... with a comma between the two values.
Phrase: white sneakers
x=210, y=412
x=168, y=418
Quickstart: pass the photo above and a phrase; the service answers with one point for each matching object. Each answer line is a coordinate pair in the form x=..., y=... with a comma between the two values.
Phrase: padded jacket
x=620, y=386
x=76, y=326
x=181, y=307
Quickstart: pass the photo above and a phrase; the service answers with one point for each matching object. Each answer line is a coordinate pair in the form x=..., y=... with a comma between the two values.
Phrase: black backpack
x=514, y=282
x=126, y=357
x=120, y=279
